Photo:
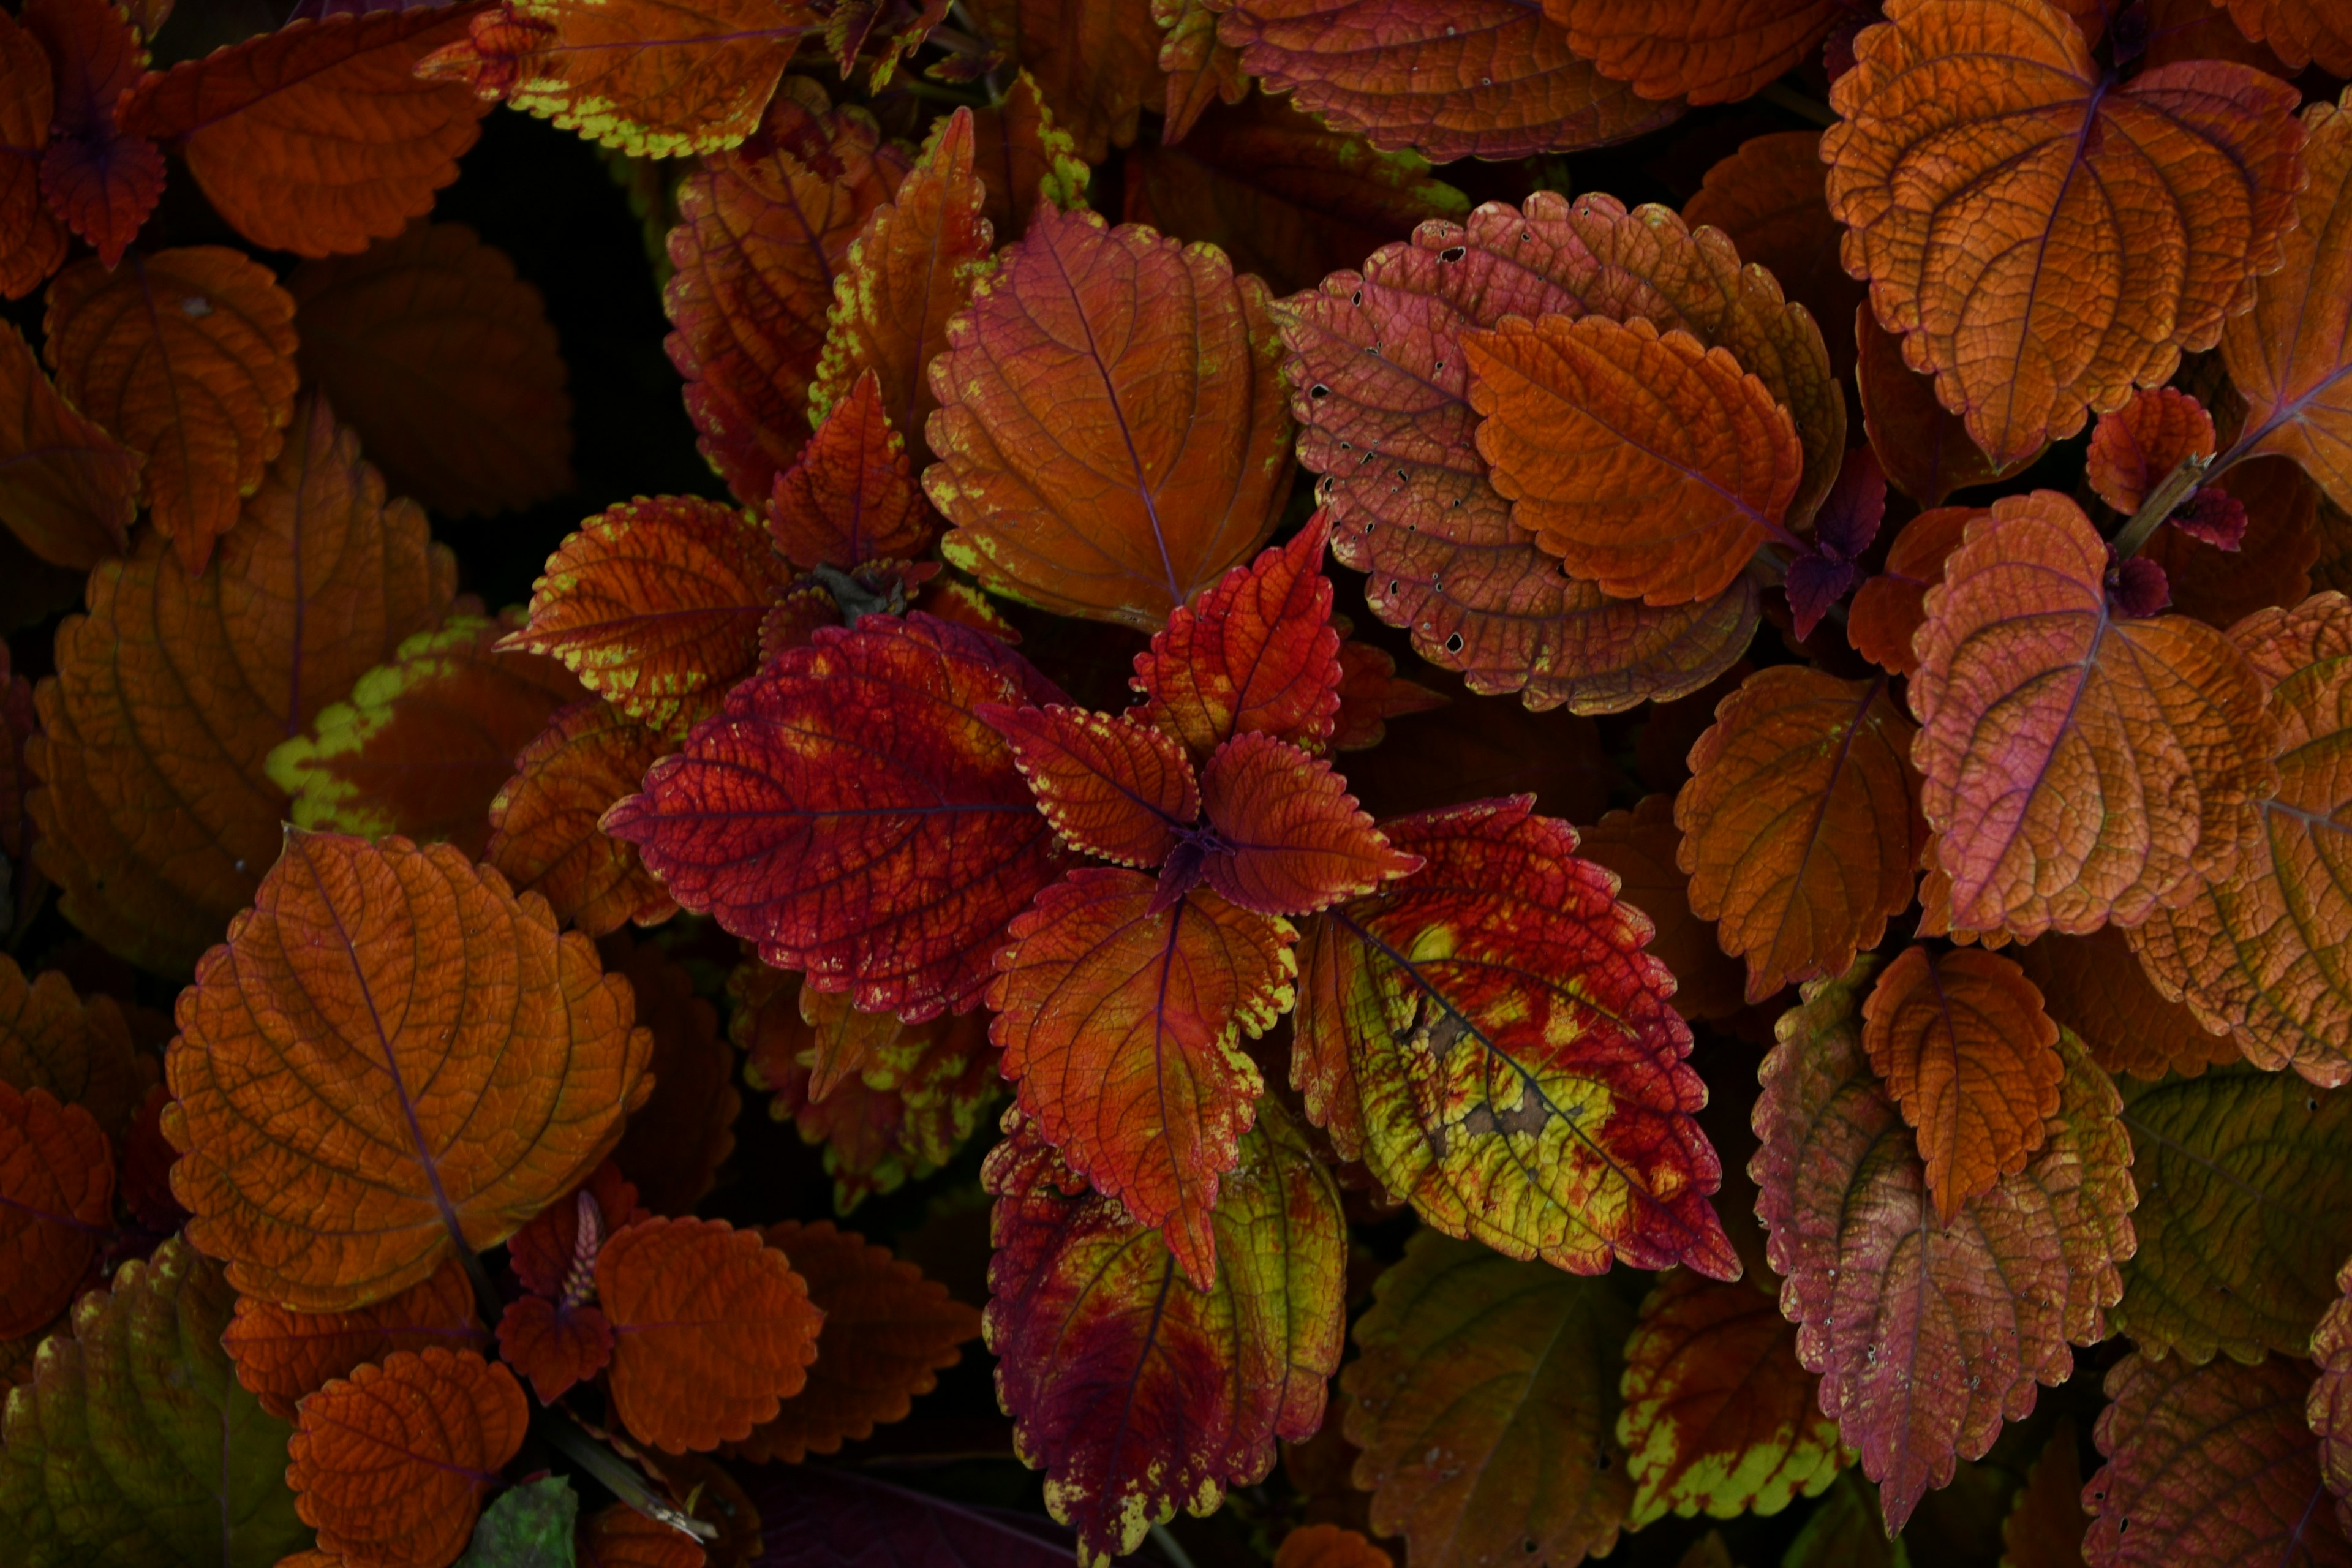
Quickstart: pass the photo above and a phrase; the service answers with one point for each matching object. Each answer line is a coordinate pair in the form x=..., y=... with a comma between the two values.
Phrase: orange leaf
x=2133, y=448
x=2046, y=1526
x=851, y=497
x=443, y=361
x=78, y=1051
x=1330, y=1546
x=2271, y=564
x=282, y=1355
x=1889, y=609
x=677, y=1140
x=1926, y=449
x=711, y=1331
x=1955, y=169
x=2096, y=986
x=318, y=138
x=1256, y=653
x=1096, y=61
x=391, y=1465
x=481, y=1061
x=1121, y=1027
x=1063, y=490
x=96, y=179
x=2290, y=356
x=555, y=1345
x=57, y=1205
x=1771, y=198
x=1688, y=48
x=2298, y=31
x=761, y=231
x=653, y=78
x=621, y=1537
x=1113, y=787
x=1801, y=823
x=32, y=241
x=656, y=606
x=1371, y=695
x=1638, y=847
x=424, y=742
x=1484, y=79
x=1966, y=1051
x=888, y=1331
x=543, y=832
x=2078, y=766
x=187, y=358
x=1200, y=70
x=1024, y=158
x=908, y=270
x=157, y=817
x=1596, y=431
x=1288, y=836
x=67, y=489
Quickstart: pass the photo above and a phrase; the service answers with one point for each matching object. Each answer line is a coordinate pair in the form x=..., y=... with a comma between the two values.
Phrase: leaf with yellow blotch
x=407, y=992
x=1483, y=78
x=2291, y=355
x=2094, y=986
x=1288, y=199
x=1926, y=449
x=2045, y=1527
x=424, y=742
x=1770, y=199
x=1121, y=1025
x=101, y=181
x=2080, y=765
x=849, y=812
x=543, y=822
x=443, y=361
x=1888, y=610
x=1200, y=70
x=1488, y=1037
x=1096, y=61
x=1962, y=1045
x=1254, y=654
x=2259, y=952
x=1486, y=1404
x=32, y=241
x=156, y=815
x=1688, y=48
x=656, y=606
x=1596, y=430
x=57, y=1205
x=1929, y=1335
x=2133, y=448
x=677, y=1141
x=1065, y=490
x=390, y=1464
x=888, y=1333
x=2208, y=1464
x=910, y=268
x=1980, y=139
x=653, y=78
x=132, y=1442
x=1719, y=1416
x=850, y=496
x=1134, y=1391
x=80, y=1051
x=1023, y=157
x=67, y=490
x=1330, y=1546
x=1638, y=847
x=1800, y=824
x=186, y=357
x=282, y=1355
x=318, y=138
x=762, y=230
x=711, y=1330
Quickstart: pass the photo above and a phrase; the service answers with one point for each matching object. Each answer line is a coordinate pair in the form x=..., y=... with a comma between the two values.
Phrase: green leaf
x=529, y=1526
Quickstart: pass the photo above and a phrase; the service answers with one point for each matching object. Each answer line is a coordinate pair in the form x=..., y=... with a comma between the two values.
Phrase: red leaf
x=850, y=497
x=677, y=1141
x=1121, y=1025
x=1137, y=1392
x=848, y=811
x=1889, y=609
x=282, y=1355
x=1256, y=653
x=1669, y=48
x=554, y=1344
x=1288, y=837
x=543, y=832
x=1371, y=695
x=546, y=1250
x=57, y=1205
x=97, y=178
x=32, y=241
x=1113, y=787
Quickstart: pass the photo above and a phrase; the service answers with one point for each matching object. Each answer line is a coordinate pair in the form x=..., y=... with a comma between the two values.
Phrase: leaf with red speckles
x=1928, y=1336
x=2079, y=766
x=281, y=1355
x=1134, y=1391
x=888, y=1333
x=848, y=811
x=67, y=490
x=1638, y=847
x=392, y=1464
x=1489, y=1038
x=1112, y=786
x=1889, y=609
x=2096, y=986
x=762, y=229
x=1488, y=78
x=1254, y=653
x=1686, y=48
x=2133, y=448
x=1289, y=839
x=1801, y=823
x=96, y=175
x=1720, y=1417
x=1121, y=1025
x=544, y=831
x=851, y=497
x=57, y=1205
x=32, y=240
x=1065, y=490
x=319, y=138
x=2208, y=1464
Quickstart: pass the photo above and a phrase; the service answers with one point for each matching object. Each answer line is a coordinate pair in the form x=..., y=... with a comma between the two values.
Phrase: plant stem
x=618, y=1476
x=1812, y=110
x=2177, y=486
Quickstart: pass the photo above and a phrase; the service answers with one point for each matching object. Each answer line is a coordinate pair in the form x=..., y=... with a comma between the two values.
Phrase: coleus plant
x=1908, y=1125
